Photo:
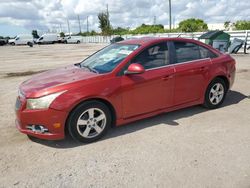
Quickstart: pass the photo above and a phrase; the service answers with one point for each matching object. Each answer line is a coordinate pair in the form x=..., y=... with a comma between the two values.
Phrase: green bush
x=192, y=25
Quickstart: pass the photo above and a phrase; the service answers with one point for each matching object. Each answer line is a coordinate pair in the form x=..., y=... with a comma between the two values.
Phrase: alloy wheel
x=91, y=123
x=216, y=93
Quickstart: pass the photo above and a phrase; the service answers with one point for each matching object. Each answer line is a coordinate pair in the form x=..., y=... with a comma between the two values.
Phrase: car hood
x=12, y=40
x=54, y=81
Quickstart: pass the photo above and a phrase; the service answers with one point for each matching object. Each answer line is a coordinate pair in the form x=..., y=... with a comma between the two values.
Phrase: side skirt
x=120, y=122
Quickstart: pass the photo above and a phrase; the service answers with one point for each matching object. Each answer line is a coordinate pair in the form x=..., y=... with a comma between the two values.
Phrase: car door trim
x=169, y=65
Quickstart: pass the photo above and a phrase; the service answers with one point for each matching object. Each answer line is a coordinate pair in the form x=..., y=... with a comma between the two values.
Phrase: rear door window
x=206, y=53
x=186, y=52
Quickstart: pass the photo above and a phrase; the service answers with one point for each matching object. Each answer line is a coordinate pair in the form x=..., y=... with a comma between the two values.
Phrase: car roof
x=148, y=40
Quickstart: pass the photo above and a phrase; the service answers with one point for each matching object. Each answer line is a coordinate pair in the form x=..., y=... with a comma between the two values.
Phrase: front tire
x=215, y=93
x=89, y=121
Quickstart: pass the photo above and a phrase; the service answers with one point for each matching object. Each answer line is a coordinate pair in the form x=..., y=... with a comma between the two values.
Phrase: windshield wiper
x=89, y=68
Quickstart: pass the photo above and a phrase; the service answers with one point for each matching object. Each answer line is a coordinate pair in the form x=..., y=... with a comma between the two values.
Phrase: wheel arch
x=224, y=78
x=104, y=101
x=221, y=76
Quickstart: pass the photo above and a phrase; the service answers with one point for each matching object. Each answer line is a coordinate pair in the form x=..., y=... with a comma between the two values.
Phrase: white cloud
x=50, y=14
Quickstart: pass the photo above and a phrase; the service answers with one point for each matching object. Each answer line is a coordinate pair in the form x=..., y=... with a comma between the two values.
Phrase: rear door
x=191, y=72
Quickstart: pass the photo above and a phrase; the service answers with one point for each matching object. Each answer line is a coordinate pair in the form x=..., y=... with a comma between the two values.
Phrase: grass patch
x=25, y=73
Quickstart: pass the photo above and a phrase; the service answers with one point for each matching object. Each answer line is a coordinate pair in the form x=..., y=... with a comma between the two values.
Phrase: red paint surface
x=132, y=97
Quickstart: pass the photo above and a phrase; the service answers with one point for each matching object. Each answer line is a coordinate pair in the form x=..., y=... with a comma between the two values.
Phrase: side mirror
x=134, y=68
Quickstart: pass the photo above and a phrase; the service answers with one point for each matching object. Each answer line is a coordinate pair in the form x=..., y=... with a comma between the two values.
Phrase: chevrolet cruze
x=121, y=83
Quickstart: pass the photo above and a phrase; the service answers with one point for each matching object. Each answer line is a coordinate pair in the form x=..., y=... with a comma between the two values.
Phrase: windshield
x=108, y=58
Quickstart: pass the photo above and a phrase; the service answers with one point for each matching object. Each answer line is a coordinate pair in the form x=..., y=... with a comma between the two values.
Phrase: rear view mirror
x=135, y=68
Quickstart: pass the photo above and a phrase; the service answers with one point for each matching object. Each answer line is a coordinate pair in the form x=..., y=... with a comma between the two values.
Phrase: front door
x=151, y=90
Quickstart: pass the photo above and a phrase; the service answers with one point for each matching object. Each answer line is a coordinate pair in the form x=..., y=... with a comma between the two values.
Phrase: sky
x=22, y=16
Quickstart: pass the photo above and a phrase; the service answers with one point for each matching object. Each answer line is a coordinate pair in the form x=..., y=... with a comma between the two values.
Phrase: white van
x=22, y=39
x=49, y=38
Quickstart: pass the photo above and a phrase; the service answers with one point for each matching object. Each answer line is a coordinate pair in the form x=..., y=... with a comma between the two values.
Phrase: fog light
x=37, y=128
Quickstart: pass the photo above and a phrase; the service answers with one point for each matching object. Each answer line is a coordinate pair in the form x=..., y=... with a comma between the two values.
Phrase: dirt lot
x=193, y=147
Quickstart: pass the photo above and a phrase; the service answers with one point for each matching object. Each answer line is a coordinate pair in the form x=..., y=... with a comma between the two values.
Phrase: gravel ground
x=193, y=147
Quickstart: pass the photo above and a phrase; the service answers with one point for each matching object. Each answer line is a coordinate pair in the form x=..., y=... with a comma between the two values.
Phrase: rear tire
x=215, y=93
x=89, y=121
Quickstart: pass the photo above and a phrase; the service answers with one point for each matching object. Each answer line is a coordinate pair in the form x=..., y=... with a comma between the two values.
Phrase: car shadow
x=233, y=97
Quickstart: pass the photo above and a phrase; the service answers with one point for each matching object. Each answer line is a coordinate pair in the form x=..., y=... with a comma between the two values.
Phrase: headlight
x=42, y=102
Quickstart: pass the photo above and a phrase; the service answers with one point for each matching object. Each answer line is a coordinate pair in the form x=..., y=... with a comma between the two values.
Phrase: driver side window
x=152, y=57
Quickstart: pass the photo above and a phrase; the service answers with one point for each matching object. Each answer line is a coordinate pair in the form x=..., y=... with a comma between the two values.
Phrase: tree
x=192, y=25
x=242, y=25
x=104, y=23
x=120, y=31
x=145, y=29
x=62, y=34
x=35, y=35
x=227, y=25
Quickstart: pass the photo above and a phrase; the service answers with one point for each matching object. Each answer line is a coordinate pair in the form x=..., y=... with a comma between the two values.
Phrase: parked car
x=22, y=40
x=121, y=83
x=116, y=39
x=72, y=40
x=49, y=38
x=3, y=42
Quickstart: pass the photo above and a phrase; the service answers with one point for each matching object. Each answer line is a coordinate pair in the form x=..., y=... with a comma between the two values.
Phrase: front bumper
x=51, y=119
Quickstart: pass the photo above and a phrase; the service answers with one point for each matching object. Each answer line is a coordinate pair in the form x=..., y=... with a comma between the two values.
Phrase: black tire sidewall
x=74, y=115
x=207, y=102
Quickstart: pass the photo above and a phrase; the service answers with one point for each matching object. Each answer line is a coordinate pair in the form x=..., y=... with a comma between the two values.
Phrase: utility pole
x=108, y=14
x=154, y=20
x=79, y=23
x=87, y=23
x=60, y=27
x=170, y=19
x=68, y=27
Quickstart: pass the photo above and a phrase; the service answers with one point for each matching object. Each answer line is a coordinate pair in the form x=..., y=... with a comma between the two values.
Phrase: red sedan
x=121, y=83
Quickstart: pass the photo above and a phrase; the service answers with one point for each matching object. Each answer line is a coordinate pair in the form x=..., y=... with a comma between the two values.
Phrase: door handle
x=167, y=77
x=203, y=68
